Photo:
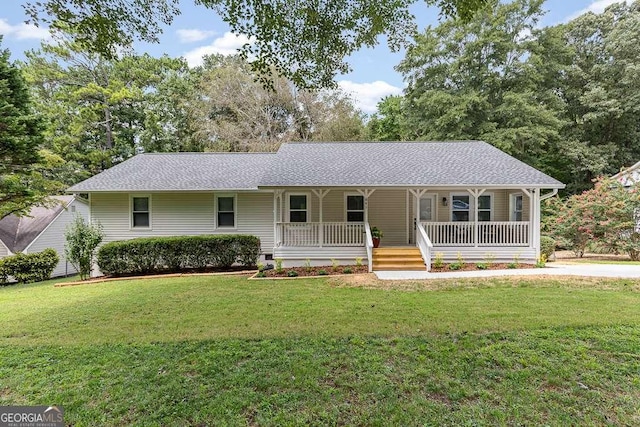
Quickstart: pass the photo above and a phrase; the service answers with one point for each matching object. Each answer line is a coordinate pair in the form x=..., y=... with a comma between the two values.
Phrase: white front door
x=426, y=209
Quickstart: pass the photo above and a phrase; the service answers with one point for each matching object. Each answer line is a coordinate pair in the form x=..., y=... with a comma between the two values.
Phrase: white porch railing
x=488, y=233
x=320, y=234
x=425, y=246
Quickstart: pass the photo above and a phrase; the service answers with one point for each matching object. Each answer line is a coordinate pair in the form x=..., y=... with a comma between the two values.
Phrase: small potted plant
x=376, y=235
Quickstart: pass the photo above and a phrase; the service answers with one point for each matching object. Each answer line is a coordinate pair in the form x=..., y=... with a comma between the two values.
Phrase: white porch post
x=476, y=195
x=320, y=194
x=531, y=218
x=536, y=222
x=277, y=194
x=365, y=195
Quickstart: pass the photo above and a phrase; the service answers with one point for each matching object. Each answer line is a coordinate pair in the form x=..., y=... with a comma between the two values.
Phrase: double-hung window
x=298, y=208
x=460, y=207
x=355, y=208
x=226, y=211
x=141, y=212
x=484, y=208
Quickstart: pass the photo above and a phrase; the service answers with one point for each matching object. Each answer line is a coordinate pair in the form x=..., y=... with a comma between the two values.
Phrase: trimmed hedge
x=547, y=246
x=26, y=268
x=150, y=255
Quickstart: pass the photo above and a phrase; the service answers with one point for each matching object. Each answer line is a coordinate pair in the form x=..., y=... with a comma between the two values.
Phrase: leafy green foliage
x=481, y=266
x=100, y=112
x=347, y=270
x=606, y=215
x=547, y=246
x=292, y=273
x=305, y=41
x=561, y=98
x=26, y=268
x=159, y=254
x=234, y=112
x=21, y=184
x=386, y=124
x=83, y=239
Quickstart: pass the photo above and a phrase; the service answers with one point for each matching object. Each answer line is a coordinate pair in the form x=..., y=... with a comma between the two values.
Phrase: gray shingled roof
x=466, y=163
x=181, y=172
x=326, y=164
x=18, y=232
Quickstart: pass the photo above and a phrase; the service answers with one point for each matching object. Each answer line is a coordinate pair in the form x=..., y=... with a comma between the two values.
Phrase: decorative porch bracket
x=320, y=194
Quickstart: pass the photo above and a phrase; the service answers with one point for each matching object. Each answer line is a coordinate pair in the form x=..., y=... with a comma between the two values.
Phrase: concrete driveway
x=552, y=269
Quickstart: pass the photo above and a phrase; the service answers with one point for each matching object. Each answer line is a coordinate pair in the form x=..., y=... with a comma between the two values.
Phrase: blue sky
x=198, y=31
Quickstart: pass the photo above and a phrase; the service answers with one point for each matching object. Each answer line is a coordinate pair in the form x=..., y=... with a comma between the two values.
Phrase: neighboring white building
x=629, y=176
x=42, y=228
x=319, y=201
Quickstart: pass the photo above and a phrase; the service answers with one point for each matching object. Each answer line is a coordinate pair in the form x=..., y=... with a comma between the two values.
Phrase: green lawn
x=224, y=350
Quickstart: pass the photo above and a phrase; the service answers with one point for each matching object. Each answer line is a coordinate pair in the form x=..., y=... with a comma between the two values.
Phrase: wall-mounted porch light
x=444, y=201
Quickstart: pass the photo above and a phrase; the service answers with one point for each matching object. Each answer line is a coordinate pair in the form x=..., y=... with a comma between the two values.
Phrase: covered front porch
x=326, y=225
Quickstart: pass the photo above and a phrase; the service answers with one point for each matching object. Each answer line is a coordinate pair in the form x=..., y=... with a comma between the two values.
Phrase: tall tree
x=472, y=81
x=387, y=123
x=100, y=112
x=21, y=185
x=231, y=111
x=306, y=41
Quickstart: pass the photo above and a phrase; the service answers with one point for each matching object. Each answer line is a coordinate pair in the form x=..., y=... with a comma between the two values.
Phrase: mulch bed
x=469, y=266
x=314, y=271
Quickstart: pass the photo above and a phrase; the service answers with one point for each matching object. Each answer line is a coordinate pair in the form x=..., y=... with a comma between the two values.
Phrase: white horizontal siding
x=184, y=214
x=3, y=250
x=480, y=254
x=53, y=237
x=295, y=257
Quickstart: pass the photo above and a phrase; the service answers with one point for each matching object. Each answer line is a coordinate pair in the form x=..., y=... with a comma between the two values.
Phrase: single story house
x=317, y=202
x=42, y=228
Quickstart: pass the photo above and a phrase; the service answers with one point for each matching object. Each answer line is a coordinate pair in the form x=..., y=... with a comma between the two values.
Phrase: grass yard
x=227, y=351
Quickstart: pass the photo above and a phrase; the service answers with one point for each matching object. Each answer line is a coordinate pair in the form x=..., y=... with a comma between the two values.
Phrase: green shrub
x=512, y=265
x=261, y=274
x=292, y=273
x=481, y=266
x=322, y=272
x=278, y=265
x=438, y=261
x=160, y=254
x=26, y=268
x=347, y=270
x=83, y=239
x=455, y=266
x=547, y=246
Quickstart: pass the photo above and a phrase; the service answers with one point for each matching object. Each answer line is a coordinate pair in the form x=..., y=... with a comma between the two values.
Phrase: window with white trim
x=484, y=207
x=141, y=212
x=298, y=208
x=355, y=208
x=226, y=211
x=460, y=207
x=516, y=207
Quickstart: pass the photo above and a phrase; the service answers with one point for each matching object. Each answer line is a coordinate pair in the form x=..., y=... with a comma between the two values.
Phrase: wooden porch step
x=398, y=258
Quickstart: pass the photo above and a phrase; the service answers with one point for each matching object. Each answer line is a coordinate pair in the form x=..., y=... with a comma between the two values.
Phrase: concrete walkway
x=552, y=269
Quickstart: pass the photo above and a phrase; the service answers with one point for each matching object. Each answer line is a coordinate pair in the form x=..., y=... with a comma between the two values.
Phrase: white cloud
x=193, y=35
x=597, y=6
x=23, y=31
x=228, y=44
x=367, y=95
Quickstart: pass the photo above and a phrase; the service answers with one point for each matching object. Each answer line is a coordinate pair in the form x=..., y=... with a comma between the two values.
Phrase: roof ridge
x=206, y=152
